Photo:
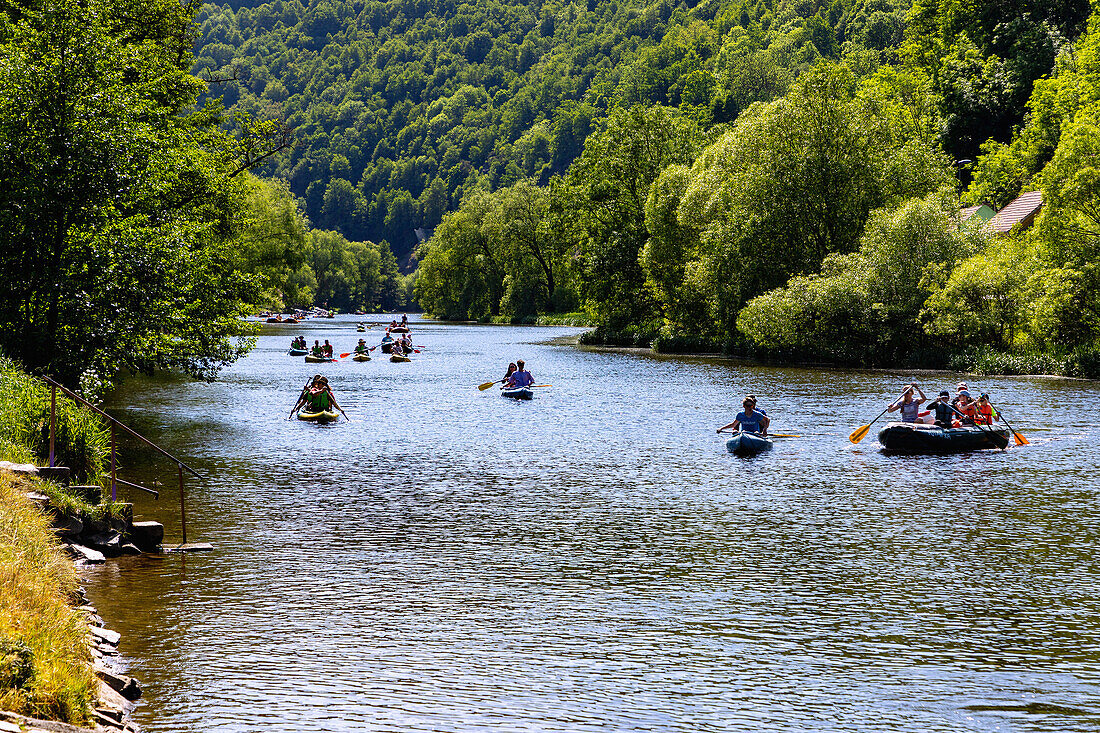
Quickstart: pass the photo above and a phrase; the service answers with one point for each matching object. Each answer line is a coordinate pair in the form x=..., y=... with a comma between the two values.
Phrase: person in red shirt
x=967, y=410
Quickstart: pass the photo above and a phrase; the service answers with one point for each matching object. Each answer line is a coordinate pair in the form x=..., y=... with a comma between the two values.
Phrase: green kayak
x=319, y=417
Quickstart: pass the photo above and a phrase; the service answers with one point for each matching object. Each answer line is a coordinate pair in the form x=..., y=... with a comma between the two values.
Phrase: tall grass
x=82, y=442
x=44, y=658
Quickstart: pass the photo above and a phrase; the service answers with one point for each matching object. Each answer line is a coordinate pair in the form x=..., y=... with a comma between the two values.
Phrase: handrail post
x=183, y=505
x=53, y=423
x=114, y=484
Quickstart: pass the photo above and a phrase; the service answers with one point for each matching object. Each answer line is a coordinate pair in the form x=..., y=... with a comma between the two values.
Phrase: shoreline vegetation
x=54, y=654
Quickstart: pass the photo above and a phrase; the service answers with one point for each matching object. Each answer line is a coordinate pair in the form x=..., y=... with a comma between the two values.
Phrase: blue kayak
x=518, y=393
x=748, y=444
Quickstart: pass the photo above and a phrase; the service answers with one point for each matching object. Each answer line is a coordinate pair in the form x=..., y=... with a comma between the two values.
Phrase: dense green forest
x=775, y=178
x=132, y=235
x=779, y=178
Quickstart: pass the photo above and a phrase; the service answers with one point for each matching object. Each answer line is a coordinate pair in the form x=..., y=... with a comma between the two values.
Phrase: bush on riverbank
x=81, y=443
x=44, y=658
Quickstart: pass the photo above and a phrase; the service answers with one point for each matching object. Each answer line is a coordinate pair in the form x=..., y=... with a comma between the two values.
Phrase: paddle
x=1018, y=437
x=861, y=432
x=487, y=385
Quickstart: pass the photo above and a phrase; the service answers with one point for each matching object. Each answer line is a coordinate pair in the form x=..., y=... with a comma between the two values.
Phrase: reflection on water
x=594, y=559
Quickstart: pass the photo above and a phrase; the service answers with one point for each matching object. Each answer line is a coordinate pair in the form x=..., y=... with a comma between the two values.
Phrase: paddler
x=910, y=407
x=318, y=398
x=361, y=347
x=749, y=419
x=520, y=378
x=316, y=350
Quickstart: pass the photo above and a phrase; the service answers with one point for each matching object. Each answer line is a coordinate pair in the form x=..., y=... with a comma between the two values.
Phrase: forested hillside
x=779, y=178
x=401, y=108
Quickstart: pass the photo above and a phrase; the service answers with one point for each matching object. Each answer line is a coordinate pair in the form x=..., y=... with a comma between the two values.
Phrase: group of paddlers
x=402, y=345
x=945, y=411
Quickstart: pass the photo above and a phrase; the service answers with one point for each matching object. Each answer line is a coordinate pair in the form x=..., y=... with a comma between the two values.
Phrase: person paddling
x=910, y=407
x=316, y=350
x=520, y=378
x=750, y=420
x=943, y=409
x=361, y=347
x=318, y=398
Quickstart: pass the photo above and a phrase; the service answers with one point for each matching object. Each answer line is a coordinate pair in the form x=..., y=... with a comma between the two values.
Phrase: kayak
x=902, y=437
x=361, y=357
x=517, y=393
x=398, y=358
x=298, y=352
x=311, y=359
x=748, y=444
x=318, y=417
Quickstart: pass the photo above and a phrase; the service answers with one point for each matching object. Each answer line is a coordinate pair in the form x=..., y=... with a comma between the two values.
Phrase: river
x=594, y=559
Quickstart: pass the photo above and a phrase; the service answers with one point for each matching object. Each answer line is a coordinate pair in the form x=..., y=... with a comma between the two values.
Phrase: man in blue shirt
x=521, y=377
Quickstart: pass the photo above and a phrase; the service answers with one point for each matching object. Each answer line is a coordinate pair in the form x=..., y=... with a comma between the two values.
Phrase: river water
x=594, y=559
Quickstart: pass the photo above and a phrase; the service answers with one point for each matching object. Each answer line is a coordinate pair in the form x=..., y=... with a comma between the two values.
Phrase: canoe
x=311, y=359
x=361, y=357
x=901, y=437
x=517, y=393
x=399, y=358
x=318, y=417
x=748, y=444
x=298, y=352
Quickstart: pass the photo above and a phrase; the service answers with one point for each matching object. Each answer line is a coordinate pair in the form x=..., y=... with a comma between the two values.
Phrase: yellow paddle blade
x=1020, y=439
x=859, y=433
x=485, y=386
x=782, y=435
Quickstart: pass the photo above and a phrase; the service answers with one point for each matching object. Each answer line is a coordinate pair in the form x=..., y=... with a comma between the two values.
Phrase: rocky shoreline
x=89, y=541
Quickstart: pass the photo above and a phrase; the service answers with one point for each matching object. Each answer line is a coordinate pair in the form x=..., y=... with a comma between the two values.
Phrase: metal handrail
x=54, y=386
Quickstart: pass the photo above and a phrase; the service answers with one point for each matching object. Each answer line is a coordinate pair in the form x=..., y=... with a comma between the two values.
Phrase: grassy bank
x=82, y=443
x=44, y=658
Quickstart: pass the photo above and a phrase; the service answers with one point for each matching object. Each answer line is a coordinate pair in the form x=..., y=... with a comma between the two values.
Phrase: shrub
x=81, y=441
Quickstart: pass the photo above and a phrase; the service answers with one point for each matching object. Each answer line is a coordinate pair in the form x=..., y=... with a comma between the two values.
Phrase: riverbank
x=1078, y=364
x=56, y=659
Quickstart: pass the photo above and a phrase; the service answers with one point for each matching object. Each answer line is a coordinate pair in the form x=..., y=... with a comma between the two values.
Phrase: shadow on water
x=593, y=559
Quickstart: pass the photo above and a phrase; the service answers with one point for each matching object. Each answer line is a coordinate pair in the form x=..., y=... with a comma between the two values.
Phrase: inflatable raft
x=319, y=417
x=900, y=437
x=311, y=359
x=518, y=393
x=748, y=444
x=399, y=358
x=361, y=357
x=298, y=352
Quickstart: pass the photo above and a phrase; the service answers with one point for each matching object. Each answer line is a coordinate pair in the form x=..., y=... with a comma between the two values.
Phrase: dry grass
x=44, y=657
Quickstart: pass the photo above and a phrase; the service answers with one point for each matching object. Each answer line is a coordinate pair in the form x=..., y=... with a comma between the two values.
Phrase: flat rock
x=191, y=547
x=57, y=474
x=111, y=637
x=86, y=554
x=31, y=725
x=27, y=468
x=123, y=685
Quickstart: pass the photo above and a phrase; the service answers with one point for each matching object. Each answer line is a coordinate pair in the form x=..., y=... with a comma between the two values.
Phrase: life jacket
x=984, y=415
x=318, y=400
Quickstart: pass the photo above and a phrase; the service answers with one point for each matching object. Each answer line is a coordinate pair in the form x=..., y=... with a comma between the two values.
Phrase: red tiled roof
x=1022, y=211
